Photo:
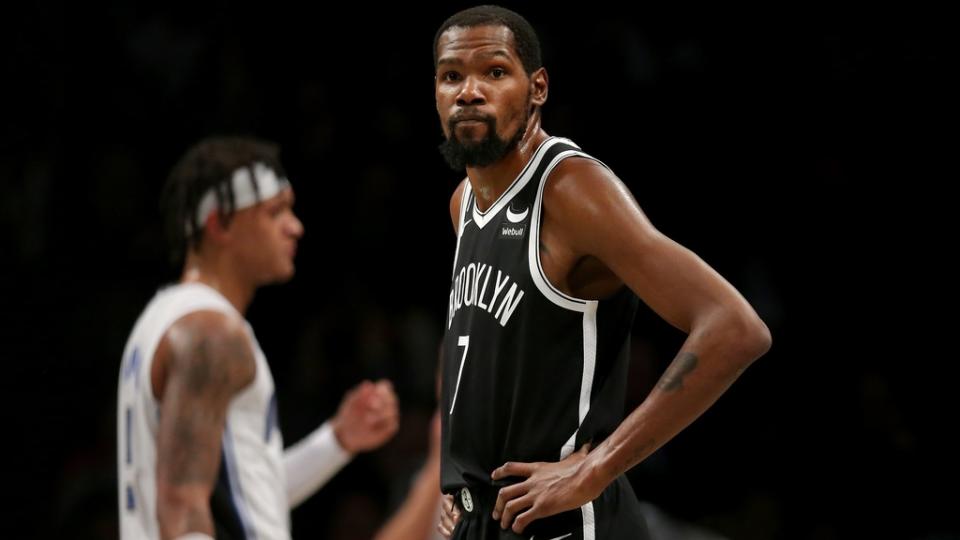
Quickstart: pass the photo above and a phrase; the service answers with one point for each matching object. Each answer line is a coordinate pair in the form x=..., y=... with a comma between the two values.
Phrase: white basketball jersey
x=249, y=500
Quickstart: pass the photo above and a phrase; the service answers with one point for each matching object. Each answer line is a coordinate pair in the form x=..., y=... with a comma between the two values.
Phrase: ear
x=215, y=230
x=539, y=86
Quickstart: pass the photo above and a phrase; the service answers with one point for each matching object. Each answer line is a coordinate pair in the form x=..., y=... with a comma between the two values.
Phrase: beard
x=487, y=151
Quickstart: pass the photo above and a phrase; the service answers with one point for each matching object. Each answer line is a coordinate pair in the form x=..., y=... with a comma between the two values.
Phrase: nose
x=294, y=226
x=470, y=93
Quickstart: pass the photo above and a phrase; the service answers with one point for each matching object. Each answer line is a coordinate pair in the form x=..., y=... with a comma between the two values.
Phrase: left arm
x=416, y=517
x=367, y=418
x=600, y=219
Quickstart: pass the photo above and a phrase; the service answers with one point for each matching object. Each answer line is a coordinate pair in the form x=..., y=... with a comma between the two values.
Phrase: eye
x=278, y=208
x=497, y=72
x=450, y=76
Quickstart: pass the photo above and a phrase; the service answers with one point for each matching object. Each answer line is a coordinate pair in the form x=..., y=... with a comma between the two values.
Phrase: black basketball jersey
x=529, y=373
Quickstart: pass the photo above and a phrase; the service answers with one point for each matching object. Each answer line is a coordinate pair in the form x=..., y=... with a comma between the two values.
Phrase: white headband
x=244, y=194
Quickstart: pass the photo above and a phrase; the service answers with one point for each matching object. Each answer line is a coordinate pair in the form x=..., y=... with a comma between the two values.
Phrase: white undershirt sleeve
x=311, y=462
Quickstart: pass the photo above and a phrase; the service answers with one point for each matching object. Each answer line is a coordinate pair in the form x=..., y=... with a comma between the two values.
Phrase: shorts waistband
x=476, y=499
x=476, y=503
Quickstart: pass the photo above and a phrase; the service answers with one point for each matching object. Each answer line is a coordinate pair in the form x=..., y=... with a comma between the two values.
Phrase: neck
x=490, y=182
x=215, y=271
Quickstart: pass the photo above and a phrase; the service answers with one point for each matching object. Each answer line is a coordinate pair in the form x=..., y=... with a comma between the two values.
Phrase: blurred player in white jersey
x=200, y=453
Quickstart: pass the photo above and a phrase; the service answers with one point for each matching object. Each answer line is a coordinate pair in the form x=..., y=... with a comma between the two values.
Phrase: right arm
x=204, y=360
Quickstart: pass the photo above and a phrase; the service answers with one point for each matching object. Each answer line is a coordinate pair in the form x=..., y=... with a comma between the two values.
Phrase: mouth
x=469, y=123
x=473, y=118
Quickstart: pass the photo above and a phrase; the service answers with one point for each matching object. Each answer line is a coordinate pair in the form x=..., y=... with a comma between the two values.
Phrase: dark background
x=794, y=150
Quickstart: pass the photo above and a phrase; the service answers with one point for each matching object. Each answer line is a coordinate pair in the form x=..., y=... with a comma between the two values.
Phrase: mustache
x=489, y=120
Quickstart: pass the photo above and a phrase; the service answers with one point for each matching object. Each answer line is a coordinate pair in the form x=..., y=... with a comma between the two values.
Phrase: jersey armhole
x=546, y=288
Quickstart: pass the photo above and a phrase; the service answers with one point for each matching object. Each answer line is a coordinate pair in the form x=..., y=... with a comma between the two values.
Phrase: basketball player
x=199, y=449
x=552, y=255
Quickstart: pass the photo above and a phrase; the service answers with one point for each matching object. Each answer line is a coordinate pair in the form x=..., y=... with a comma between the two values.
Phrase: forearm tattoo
x=682, y=365
x=641, y=452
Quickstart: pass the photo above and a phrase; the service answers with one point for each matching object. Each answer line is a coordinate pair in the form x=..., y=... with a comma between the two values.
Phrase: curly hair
x=209, y=164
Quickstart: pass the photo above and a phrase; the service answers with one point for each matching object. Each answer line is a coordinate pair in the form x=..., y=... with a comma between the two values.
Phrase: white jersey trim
x=543, y=284
x=482, y=218
x=589, y=522
x=586, y=377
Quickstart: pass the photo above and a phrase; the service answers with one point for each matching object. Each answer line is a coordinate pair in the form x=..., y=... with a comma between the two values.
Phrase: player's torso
x=520, y=357
x=247, y=498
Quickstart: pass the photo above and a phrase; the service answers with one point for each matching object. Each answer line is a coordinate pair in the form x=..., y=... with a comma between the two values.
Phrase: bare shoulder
x=210, y=350
x=590, y=207
x=455, y=202
x=583, y=185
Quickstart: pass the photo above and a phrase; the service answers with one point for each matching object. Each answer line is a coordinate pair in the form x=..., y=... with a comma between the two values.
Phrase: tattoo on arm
x=682, y=365
x=192, y=418
x=198, y=372
x=207, y=374
x=207, y=369
x=543, y=248
x=640, y=451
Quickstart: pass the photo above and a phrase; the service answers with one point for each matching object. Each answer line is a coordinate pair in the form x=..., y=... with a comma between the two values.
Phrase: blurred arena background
x=791, y=149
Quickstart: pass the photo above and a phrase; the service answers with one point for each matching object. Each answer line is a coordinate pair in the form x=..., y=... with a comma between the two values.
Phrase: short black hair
x=209, y=164
x=525, y=39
